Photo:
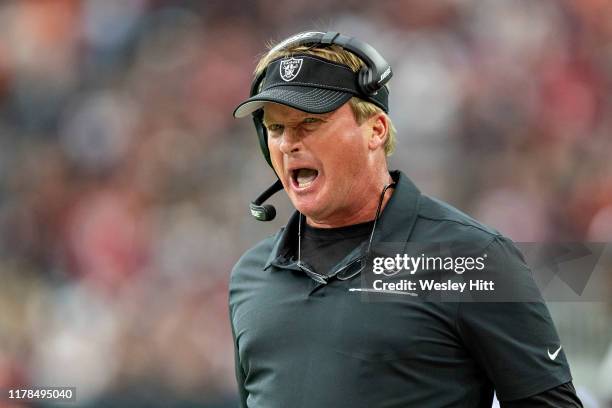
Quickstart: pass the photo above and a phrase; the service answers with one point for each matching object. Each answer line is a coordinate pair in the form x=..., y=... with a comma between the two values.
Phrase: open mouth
x=304, y=177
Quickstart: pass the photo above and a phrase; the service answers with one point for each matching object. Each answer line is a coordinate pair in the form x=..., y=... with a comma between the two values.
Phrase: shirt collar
x=395, y=224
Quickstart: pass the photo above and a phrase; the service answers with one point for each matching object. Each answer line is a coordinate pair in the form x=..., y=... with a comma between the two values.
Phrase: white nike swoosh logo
x=553, y=356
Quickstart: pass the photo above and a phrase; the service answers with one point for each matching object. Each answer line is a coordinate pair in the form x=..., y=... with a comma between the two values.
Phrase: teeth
x=305, y=177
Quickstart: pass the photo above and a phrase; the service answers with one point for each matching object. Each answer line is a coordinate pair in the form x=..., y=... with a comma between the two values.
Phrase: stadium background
x=124, y=179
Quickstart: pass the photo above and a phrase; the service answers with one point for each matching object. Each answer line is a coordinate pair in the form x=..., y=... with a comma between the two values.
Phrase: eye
x=275, y=128
x=311, y=124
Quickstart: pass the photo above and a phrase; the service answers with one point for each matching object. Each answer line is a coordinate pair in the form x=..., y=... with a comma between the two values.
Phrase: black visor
x=309, y=84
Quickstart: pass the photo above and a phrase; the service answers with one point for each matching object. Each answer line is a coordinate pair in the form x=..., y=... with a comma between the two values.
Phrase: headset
x=371, y=78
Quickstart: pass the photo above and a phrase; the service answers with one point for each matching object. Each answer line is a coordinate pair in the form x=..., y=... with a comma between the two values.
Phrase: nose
x=290, y=141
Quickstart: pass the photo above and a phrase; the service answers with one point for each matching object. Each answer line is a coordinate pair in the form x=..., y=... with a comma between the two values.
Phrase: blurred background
x=125, y=181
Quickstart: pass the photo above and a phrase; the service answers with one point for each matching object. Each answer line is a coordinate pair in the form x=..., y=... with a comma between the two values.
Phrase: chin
x=309, y=209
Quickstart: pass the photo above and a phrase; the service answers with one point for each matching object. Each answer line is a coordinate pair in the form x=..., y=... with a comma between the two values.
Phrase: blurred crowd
x=125, y=181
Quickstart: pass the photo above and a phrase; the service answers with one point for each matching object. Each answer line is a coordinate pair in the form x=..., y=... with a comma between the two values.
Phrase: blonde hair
x=362, y=109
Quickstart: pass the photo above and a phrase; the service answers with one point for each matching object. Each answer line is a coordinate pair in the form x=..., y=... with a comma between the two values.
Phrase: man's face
x=320, y=159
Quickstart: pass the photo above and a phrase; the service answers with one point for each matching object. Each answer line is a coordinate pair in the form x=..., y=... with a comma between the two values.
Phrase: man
x=317, y=317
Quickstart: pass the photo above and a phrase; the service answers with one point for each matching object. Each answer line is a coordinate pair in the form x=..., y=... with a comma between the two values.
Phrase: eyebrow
x=265, y=121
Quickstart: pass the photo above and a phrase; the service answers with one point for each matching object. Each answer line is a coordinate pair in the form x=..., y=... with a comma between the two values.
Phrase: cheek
x=276, y=156
x=347, y=155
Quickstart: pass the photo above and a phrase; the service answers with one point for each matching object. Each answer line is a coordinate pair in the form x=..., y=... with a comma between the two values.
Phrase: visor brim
x=307, y=99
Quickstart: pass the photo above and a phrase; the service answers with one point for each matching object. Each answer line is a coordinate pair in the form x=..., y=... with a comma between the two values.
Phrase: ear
x=378, y=126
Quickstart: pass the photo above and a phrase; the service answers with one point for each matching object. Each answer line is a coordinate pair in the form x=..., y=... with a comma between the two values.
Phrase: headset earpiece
x=365, y=81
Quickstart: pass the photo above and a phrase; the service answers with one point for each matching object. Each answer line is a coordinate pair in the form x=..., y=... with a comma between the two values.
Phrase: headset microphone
x=265, y=212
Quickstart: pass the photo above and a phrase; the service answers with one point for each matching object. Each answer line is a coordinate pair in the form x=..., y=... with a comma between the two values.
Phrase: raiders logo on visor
x=290, y=68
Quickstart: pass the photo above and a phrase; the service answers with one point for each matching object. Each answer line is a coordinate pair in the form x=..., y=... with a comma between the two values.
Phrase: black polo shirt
x=301, y=343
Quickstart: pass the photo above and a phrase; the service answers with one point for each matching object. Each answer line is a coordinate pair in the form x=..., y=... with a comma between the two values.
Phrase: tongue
x=306, y=176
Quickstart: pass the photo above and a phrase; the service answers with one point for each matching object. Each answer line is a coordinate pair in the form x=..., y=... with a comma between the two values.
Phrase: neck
x=365, y=212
